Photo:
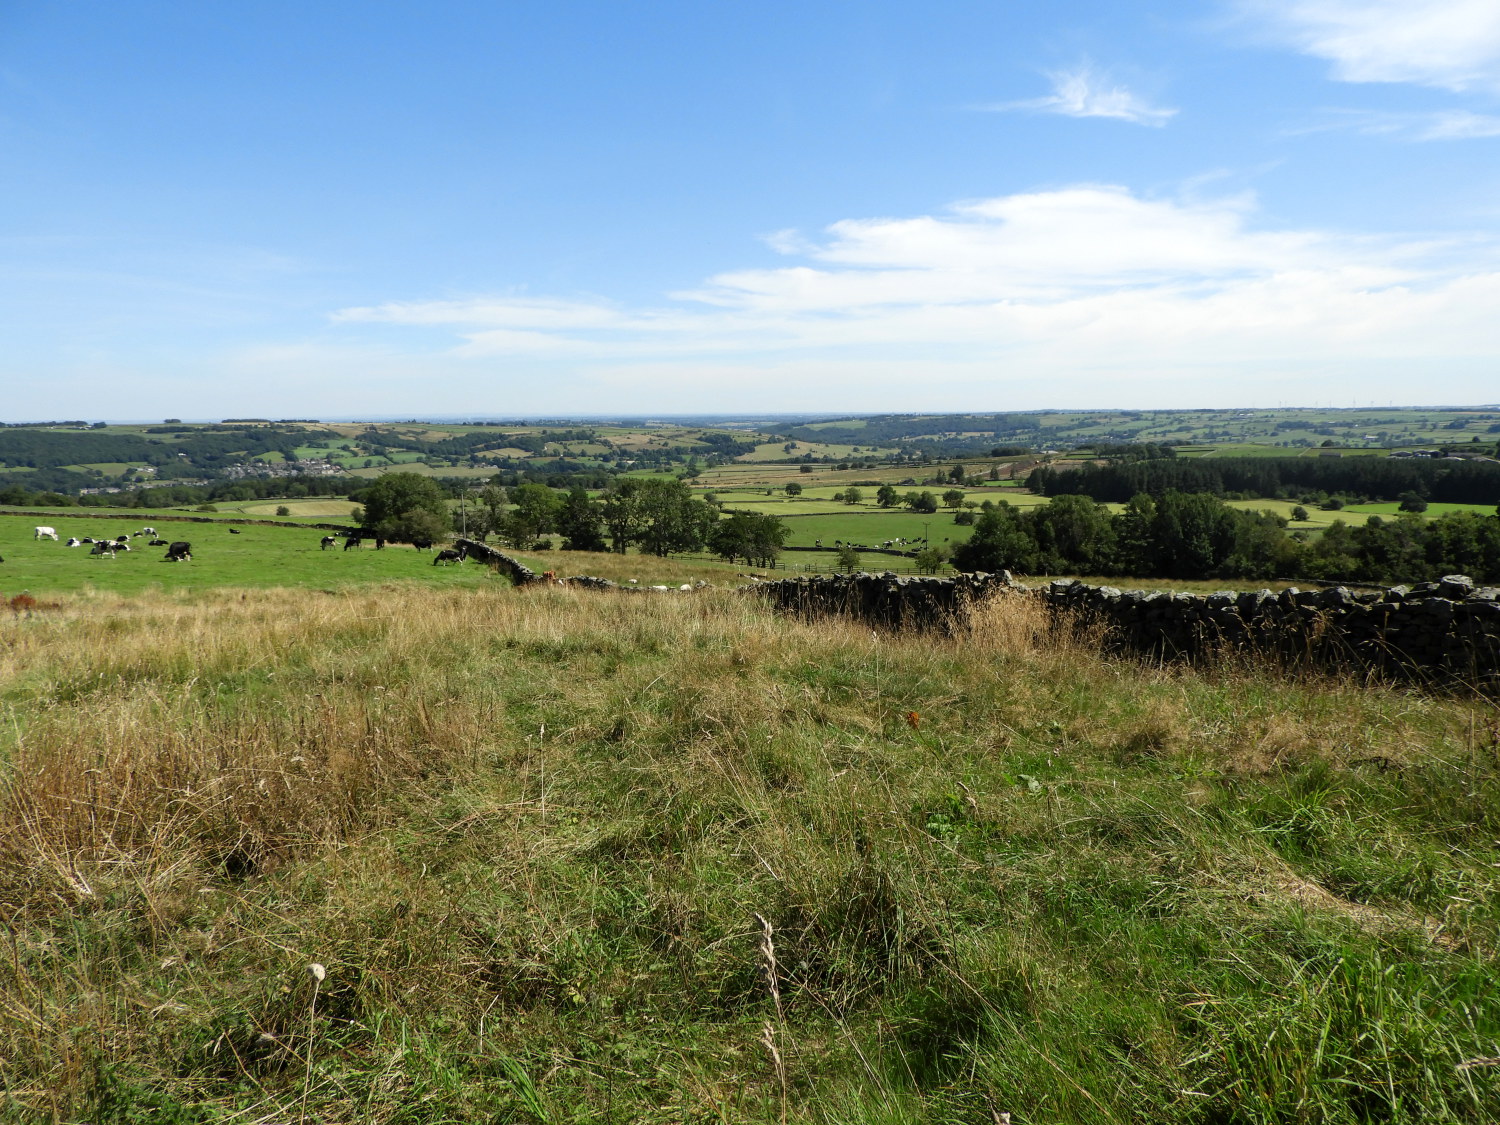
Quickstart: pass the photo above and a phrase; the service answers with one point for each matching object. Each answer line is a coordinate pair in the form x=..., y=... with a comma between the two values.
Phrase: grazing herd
x=180, y=550
x=109, y=548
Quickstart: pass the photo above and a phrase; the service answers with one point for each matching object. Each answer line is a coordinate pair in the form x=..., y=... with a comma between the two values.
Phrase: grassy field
x=430, y=855
x=1353, y=514
x=258, y=557
x=334, y=510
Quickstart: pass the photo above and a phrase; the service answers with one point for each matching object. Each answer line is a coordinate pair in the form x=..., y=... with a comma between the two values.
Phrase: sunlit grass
x=528, y=832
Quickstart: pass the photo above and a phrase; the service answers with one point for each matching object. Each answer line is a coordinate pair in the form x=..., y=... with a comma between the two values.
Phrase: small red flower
x=913, y=719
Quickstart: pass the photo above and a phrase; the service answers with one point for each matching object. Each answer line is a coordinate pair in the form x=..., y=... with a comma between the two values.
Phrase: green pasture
x=1351, y=514
x=379, y=470
x=108, y=468
x=1433, y=511
x=259, y=556
x=1317, y=519
x=772, y=451
x=323, y=508
x=873, y=526
x=1243, y=449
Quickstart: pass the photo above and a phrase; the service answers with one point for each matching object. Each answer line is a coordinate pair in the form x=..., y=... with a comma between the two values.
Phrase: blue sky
x=303, y=209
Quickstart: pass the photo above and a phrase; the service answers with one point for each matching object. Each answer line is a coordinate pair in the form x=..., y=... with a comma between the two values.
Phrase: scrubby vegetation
x=419, y=855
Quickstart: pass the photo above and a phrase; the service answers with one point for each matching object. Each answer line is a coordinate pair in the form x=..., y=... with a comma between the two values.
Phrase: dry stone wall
x=1446, y=631
x=1442, y=632
x=885, y=599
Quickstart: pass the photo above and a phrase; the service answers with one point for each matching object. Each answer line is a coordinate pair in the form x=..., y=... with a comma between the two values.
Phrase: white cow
x=75, y=542
x=46, y=533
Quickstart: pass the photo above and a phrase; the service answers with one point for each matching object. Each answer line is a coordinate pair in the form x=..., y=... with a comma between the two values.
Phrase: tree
x=534, y=512
x=488, y=517
x=887, y=496
x=757, y=539
x=853, y=496
x=1299, y=514
x=953, y=498
x=793, y=489
x=1000, y=542
x=622, y=515
x=580, y=522
x=661, y=516
x=283, y=510
x=848, y=558
x=929, y=560
x=1411, y=502
x=404, y=506
x=1074, y=533
x=921, y=501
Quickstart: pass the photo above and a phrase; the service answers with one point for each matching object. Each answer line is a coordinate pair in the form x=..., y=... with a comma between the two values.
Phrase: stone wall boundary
x=1445, y=632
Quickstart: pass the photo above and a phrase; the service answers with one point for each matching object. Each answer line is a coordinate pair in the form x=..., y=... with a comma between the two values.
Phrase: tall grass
x=569, y=856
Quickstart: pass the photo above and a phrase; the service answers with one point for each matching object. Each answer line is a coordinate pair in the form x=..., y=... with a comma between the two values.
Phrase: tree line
x=656, y=516
x=1196, y=535
x=1249, y=478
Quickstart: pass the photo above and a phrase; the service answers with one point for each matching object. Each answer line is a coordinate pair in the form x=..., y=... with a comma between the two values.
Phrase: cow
x=157, y=543
x=104, y=547
x=379, y=543
x=122, y=546
x=75, y=542
x=422, y=544
x=451, y=556
x=179, y=551
x=45, y=533
x=328, y=541
x=234, y=531
x=151, y=531
x=353, y=541
x=122, y=539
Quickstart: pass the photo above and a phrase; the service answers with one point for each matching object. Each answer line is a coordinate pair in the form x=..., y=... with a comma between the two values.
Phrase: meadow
x=410, y=854
x=260, y=556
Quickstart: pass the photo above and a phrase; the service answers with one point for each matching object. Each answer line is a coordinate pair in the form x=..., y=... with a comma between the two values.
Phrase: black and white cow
x=449, y=556
x=104, y=547
x=75, y=542
x=179, y=551
x=353, y=541
x=422, y=544
x=328, y=541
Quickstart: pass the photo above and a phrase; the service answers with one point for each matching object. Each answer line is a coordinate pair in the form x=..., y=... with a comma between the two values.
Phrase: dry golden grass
x=528, y=833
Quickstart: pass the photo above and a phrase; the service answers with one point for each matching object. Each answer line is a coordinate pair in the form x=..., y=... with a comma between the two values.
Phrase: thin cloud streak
x=1441, y=125
x=1082, y=93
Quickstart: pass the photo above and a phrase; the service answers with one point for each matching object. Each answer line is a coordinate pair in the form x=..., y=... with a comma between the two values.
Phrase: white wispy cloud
x=1059, y=292
x=1081, y=92
x=1449, y=44
x=1439, y=125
